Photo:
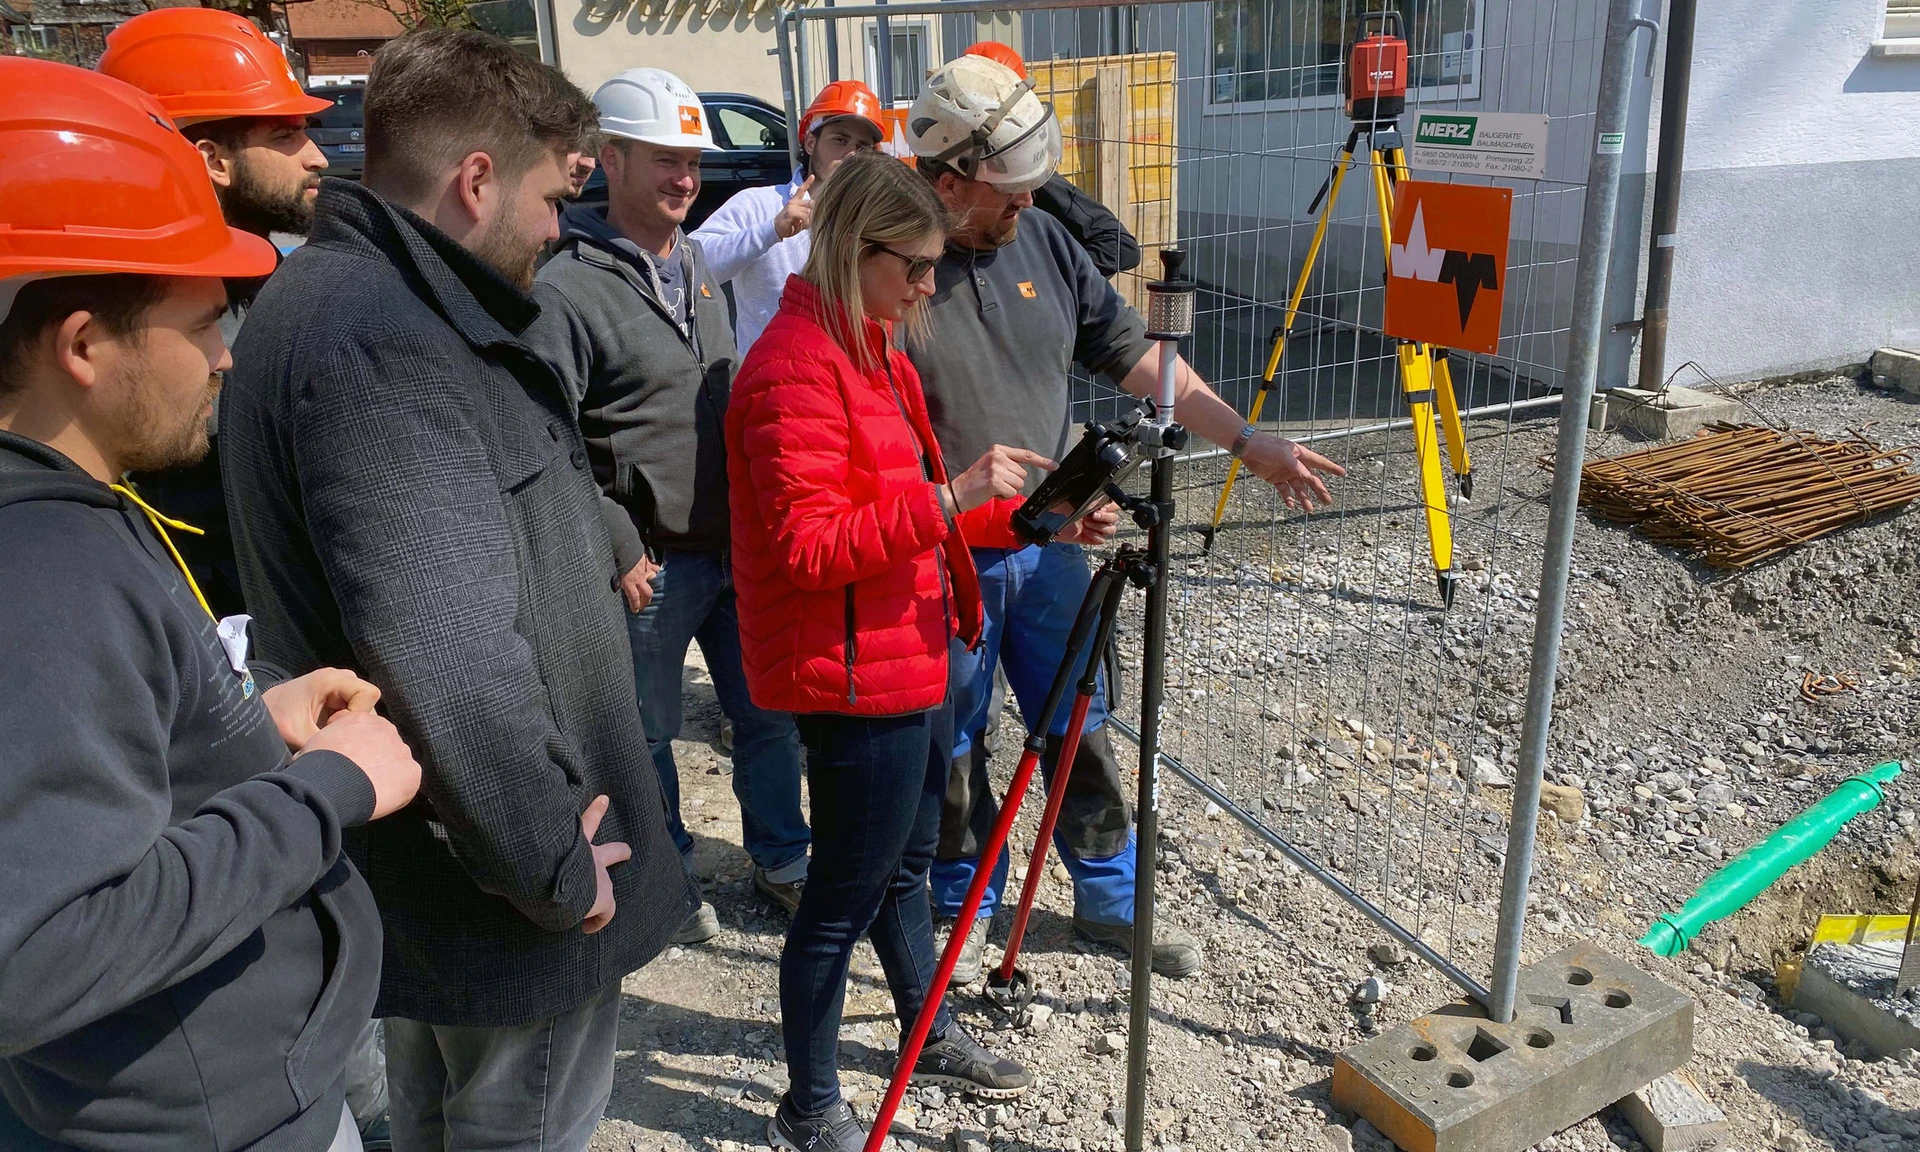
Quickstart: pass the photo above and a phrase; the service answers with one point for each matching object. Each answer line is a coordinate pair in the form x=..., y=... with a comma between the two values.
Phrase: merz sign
x=1492, y=143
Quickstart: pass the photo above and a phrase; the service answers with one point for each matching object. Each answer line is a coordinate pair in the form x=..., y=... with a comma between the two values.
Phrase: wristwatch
x=1241, y=441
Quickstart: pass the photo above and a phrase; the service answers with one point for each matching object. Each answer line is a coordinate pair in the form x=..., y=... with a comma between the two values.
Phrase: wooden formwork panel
x=1117, y=127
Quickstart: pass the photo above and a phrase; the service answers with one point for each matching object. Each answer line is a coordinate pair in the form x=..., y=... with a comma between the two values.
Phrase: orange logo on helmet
x=690, y=119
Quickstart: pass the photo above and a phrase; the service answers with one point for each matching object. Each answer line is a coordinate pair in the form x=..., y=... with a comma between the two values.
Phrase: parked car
x=753, y=137
x=340, y=130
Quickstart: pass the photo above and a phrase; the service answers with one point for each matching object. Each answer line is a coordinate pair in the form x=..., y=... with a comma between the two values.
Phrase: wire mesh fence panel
x=1318, y=680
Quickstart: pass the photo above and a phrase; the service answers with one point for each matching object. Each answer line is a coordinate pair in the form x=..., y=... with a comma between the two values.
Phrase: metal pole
x=833, y=47
x=883, y=58
x=1666, y=193
x=1152, y=689
x=783, y=26
x=1583, y=367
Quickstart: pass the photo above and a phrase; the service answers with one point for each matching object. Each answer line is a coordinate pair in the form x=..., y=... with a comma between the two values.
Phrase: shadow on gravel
x=655, y=1095
x=1841, y=1117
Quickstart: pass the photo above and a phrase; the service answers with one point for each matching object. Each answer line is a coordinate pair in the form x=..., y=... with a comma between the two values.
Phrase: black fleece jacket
x=186, y=956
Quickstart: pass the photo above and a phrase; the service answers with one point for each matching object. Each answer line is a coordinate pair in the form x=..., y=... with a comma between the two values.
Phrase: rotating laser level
x=1376, y=85
x=1376, y=88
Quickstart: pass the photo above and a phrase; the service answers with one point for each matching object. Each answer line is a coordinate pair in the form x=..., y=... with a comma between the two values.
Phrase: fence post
x=1583, y=363
x=784, y=24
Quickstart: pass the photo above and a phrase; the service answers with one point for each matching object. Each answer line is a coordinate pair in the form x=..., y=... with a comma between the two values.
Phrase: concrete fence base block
x=1589, y=1030
x=1896, y=369
x=1671, y=415
x=1852, y=1015
x=1673, y=1114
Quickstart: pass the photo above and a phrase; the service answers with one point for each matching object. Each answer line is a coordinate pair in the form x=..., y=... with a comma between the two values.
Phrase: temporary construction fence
x=1320, y=690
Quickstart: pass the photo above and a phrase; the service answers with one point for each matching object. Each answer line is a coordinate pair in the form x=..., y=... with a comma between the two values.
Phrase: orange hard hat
x=843, y=98
x=999, y=53
x=204, y=64
x=93, y=179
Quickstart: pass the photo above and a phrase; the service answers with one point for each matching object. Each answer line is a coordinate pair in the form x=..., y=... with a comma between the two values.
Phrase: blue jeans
x=1032, y=596
x=875, y=783
x=693, y=600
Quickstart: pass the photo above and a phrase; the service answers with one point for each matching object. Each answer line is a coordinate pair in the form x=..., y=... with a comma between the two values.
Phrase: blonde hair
x=872, y=201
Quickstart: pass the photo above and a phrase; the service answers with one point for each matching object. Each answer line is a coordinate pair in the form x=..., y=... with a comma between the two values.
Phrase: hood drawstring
x=160, y=524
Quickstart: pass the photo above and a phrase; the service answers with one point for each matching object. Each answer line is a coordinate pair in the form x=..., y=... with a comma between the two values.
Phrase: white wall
x=1795, y=82
x=1799, y=236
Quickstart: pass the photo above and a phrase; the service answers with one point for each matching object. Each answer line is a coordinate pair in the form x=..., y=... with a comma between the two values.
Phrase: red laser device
x=1377, y=70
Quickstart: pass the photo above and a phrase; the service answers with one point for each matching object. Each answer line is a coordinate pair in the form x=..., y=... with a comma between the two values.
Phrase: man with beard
x=227, y=88
x=632, y=320
x=1016, y=303
x=186, y=957
x=759, y=237
x=411, y=496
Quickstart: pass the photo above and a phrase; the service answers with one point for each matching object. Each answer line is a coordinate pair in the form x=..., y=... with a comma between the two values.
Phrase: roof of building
x=341, y=20
x=78, y=11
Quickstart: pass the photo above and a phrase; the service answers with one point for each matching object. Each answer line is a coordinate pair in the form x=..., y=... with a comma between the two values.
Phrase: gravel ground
x=1317, y=681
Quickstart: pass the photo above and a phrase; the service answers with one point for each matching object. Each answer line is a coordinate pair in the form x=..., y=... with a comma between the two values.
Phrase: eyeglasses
x=917, y=266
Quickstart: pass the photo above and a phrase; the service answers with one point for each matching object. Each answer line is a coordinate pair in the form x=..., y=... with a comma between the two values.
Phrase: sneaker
x=834, y=1130
x=700, y=927
x=967, y=971
x=957, y=1062
x=787, y=894
x=1175, y=953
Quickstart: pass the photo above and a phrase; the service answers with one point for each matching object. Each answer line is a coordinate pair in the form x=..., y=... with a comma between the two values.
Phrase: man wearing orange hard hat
x=180, y=916
x=229, y=91
x=759, y=237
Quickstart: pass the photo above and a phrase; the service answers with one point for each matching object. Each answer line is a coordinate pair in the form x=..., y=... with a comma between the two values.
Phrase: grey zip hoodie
x=651, y=394
x=186, y=956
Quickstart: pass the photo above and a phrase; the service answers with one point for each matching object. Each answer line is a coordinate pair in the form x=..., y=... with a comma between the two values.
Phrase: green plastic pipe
x=1753, y=871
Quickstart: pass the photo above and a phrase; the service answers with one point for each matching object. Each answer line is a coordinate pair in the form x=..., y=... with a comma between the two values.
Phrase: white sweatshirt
x=739, y=245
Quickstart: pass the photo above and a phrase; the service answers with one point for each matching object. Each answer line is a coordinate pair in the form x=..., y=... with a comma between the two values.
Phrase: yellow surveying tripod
x=1425, y=379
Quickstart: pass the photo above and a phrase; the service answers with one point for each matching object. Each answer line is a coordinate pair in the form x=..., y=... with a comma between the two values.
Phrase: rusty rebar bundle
x=1736, y=494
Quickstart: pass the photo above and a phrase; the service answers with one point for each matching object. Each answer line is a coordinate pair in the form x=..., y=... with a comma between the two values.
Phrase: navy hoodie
x=186, y=957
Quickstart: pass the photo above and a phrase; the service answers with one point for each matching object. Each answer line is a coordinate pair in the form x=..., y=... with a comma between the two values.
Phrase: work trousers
x=539, y=1087
x=875, y=784
x=1031, y=596
x=693, y=601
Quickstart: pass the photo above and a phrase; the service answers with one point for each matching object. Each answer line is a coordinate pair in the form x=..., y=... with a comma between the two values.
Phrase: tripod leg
x=1416, y=383
x=1456, y=433
x=1337, y=178
x=1062, y=772
x=916, y=1039
x=1037, y=861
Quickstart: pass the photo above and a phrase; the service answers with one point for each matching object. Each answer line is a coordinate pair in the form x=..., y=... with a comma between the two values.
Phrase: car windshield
x=346, y=110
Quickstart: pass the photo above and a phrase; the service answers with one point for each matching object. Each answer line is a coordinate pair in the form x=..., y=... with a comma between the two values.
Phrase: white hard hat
x=653, y=106
x=980, y=118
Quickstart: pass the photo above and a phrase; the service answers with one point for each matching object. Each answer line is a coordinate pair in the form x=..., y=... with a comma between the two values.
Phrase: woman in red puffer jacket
x=852, y=581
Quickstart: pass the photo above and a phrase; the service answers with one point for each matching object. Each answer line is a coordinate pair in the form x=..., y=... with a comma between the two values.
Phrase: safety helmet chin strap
x=980, y=138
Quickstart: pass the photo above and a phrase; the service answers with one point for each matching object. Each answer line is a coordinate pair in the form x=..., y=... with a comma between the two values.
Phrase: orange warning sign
x=1448, y=270
x=895, y=145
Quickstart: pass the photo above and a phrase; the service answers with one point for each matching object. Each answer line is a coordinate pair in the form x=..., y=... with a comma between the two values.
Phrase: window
x=346, y=110
x=1295, y=50
x=909, y=57
x=750, y=128
x=34, y=39
x=1902, y=35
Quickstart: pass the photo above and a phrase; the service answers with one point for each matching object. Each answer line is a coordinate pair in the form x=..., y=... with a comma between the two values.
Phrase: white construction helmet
x=653, y=106
x=980, y=118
